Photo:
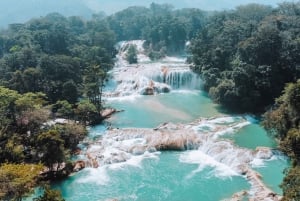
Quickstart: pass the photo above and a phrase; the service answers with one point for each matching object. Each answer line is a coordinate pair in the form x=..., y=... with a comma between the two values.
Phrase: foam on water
x=257, y=162
x=169, y=73
x=204, y=160
x=134, y=161
x=97, y=176
x=131, y=98
x=223, y=120
x=174, y=59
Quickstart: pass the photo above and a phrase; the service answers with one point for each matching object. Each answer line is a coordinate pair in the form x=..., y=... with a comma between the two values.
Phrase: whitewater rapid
x=152, y=77
x=203, y=142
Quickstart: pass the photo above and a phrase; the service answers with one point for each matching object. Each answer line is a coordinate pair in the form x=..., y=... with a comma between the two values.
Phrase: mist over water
x=19, y=11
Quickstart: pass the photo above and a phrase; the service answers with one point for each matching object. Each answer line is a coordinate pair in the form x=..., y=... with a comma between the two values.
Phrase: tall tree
x=93, y=84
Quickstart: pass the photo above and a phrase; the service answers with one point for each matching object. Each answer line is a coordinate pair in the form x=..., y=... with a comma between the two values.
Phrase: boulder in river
x=148, y=91
x=263, y=152
x=79, y=165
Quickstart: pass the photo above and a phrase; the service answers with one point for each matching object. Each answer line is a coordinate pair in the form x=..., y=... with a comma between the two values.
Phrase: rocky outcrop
x=79, y=165
x=147, y=91
x=259, y=191
x=118, y=146
x=263, y=152
x=106, y=113
x=163, y=138
x=242, y=195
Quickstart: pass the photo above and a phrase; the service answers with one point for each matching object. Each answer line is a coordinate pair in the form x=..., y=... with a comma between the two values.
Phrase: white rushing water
x=148, y=78
x=173, y=161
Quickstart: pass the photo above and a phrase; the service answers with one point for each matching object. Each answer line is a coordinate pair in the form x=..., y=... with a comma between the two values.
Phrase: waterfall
x=182, y=78
x=148, y=78
x=178, y=77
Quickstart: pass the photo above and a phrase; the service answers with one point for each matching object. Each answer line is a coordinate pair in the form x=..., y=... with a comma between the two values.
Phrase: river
x=201, y=173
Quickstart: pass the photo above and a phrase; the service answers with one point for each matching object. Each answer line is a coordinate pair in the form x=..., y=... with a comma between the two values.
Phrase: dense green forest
x=165, y=30
x=55, y=66
x=50, y=67
x=246, y=56
x=283, y=121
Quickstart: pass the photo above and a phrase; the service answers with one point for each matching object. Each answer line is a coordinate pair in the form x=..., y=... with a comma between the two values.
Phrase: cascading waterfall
x=148, y=78
x=132, y=162
x=179, y=79
x=129, y=146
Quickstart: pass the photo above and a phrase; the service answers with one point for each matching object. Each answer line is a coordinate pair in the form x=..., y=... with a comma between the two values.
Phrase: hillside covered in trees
x=50, y=67
x=165, y=30
x=246, y=56
x=54, y=66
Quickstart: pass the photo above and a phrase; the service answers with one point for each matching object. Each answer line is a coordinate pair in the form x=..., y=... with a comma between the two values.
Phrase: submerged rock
x=138, y=150
x=147, y=91
x=263, y=153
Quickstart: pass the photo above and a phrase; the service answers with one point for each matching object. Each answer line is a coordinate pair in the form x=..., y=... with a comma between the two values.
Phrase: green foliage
x=93, y=84
x=17, y=180
x=131, y=55
x=49, y=60
x=86, y=111
x=285, y=116
x=13, y=150
x=71, y=134
x=63, y=108
x=284, y=121
x=50, y=195
x=70, y=91
x=30, y=101
x=291, y=185
x=7, y=108
x=253, y=46
x=51, y=148
x=50, y=55
x=291, y=144
x=160, y=25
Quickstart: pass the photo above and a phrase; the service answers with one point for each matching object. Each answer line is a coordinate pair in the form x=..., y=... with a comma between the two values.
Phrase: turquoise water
x=163, y=176
x=150, y=111
x=272, y=172
x=252, y=136
x=207, y=174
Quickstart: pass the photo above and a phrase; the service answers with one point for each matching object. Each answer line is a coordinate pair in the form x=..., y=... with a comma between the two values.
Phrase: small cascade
x=182, y=79
x=149, y=78
x=123, y=145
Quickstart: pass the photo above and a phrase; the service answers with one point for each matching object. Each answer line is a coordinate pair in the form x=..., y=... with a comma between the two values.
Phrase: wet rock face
x=263, y=153
x=121, y=146
x=79, y=165
x=140, y=150
x=165, y=90
x=147, y=91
